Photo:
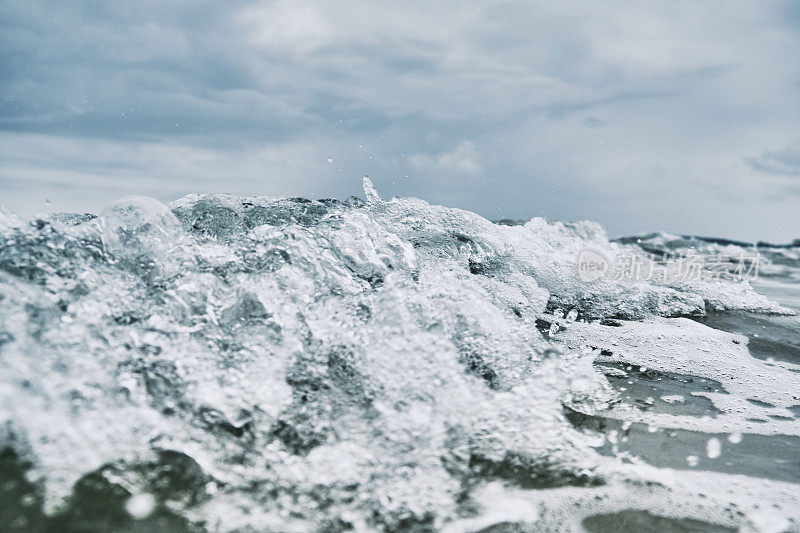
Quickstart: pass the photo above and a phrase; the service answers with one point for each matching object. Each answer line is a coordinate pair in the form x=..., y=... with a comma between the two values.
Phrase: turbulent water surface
x=230, y=363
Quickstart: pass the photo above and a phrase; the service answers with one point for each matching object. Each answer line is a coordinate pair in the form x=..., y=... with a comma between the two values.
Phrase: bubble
x=139, y=230
x=140, y=506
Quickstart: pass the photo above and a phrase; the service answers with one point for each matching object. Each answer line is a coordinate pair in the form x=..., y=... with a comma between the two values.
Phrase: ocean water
x=259, y=364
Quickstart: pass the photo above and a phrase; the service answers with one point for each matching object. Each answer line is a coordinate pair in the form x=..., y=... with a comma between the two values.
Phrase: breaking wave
x=251, y=363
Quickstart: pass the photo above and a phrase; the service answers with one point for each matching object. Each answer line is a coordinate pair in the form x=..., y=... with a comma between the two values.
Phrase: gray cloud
x=784, y=162
x=642, y=116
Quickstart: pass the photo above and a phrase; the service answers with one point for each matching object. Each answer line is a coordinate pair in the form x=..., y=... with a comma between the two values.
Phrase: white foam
x=329, y=363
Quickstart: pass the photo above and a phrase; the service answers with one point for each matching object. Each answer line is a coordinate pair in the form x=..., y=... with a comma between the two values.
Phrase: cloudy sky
x=676, y=116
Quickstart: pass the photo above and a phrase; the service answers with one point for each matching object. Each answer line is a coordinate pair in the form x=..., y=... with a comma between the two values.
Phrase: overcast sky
x=675, y=116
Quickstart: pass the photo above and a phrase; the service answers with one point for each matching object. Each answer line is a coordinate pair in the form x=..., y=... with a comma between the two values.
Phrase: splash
x=284, y=364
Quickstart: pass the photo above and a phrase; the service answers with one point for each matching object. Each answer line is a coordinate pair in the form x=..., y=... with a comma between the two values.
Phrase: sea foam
x=354, y=365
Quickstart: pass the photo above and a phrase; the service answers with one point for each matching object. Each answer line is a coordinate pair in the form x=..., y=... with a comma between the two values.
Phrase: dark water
x=642, y=521
x=775, y=457
x=96, y=505
x=771, y=457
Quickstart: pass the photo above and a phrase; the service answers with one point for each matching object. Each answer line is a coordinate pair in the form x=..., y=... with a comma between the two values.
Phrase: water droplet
x=713, y=448
x=140, y=506
x=692, y=460
x=735, y=438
